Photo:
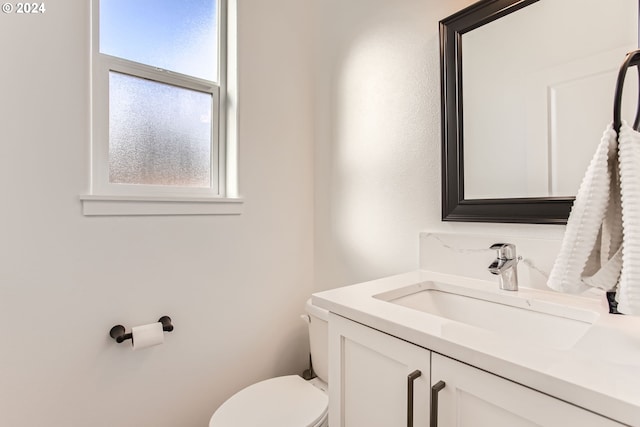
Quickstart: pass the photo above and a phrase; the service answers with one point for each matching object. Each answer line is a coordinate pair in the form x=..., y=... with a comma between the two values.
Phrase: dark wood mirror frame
x=535, y=210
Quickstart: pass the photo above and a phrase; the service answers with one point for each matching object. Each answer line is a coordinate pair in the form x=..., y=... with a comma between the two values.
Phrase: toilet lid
x=287, y=401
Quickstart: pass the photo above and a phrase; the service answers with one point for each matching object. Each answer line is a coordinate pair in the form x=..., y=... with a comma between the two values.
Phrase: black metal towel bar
x=118, y=331
x=631, y=60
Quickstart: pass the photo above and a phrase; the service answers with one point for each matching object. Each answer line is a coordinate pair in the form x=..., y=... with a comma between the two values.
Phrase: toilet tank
x=318, y=339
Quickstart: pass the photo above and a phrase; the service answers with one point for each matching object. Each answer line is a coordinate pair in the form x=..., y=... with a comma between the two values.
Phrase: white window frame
x=106, y=198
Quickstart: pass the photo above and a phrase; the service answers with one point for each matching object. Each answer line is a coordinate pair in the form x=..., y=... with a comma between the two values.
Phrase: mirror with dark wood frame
x=541, y=209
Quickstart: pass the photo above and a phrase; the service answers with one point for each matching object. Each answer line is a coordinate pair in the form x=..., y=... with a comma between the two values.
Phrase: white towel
x=628, y=295
x=590, y=254
x=601, y=245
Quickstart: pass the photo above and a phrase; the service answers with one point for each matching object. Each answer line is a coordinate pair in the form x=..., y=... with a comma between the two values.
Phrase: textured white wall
x=377, y=129
x=233, y=285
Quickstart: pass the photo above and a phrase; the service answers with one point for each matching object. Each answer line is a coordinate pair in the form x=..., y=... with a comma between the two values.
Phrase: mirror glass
x=537, y=94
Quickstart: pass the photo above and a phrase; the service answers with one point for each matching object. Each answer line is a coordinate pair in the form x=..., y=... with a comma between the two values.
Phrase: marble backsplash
x=469, y=255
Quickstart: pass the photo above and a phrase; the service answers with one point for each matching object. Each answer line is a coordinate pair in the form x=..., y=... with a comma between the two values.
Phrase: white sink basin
x=515, y=315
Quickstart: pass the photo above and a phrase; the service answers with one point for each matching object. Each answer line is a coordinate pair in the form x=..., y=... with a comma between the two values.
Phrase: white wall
x=377, y=127
x=234, y=286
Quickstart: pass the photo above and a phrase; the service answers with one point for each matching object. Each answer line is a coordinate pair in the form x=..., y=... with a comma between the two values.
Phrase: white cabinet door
x=368, y=378
x=473, y=398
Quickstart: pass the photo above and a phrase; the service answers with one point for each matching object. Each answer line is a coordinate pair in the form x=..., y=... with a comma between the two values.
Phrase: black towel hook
x=632, y=59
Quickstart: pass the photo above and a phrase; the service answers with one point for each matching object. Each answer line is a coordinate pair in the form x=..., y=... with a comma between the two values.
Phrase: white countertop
x=601, y=372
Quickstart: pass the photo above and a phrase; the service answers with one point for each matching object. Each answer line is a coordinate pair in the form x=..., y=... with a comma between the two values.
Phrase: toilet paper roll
x=147, y=336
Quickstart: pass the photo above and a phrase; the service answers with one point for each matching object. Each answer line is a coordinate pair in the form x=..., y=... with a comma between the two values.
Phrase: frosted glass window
x=175, y=35
x=159, y=134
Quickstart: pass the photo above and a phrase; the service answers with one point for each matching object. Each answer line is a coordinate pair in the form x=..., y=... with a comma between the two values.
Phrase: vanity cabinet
x=369, y=377
x=472, y=397
x=370, y=374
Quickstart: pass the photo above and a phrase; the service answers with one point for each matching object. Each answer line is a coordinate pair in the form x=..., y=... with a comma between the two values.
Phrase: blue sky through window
x=177, y=35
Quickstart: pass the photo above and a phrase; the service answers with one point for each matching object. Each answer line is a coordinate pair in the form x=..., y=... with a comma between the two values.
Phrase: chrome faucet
x=506, y=266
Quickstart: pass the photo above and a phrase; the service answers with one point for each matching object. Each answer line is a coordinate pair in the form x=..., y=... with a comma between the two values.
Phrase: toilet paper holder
x=118, y=331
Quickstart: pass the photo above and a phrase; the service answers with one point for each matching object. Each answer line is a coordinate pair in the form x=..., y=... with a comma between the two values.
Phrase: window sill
x=98, y=205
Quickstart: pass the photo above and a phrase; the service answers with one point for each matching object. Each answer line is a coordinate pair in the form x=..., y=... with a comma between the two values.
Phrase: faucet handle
x=505, y=250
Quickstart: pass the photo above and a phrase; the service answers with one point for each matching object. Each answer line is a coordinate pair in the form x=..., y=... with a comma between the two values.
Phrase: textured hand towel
x=590, y=254
x=628, y=295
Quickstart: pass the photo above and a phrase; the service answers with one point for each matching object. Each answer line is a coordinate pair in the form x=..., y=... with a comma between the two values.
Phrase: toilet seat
x=287, y=401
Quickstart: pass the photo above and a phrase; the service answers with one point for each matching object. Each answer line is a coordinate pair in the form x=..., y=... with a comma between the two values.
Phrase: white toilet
x=288, y=401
